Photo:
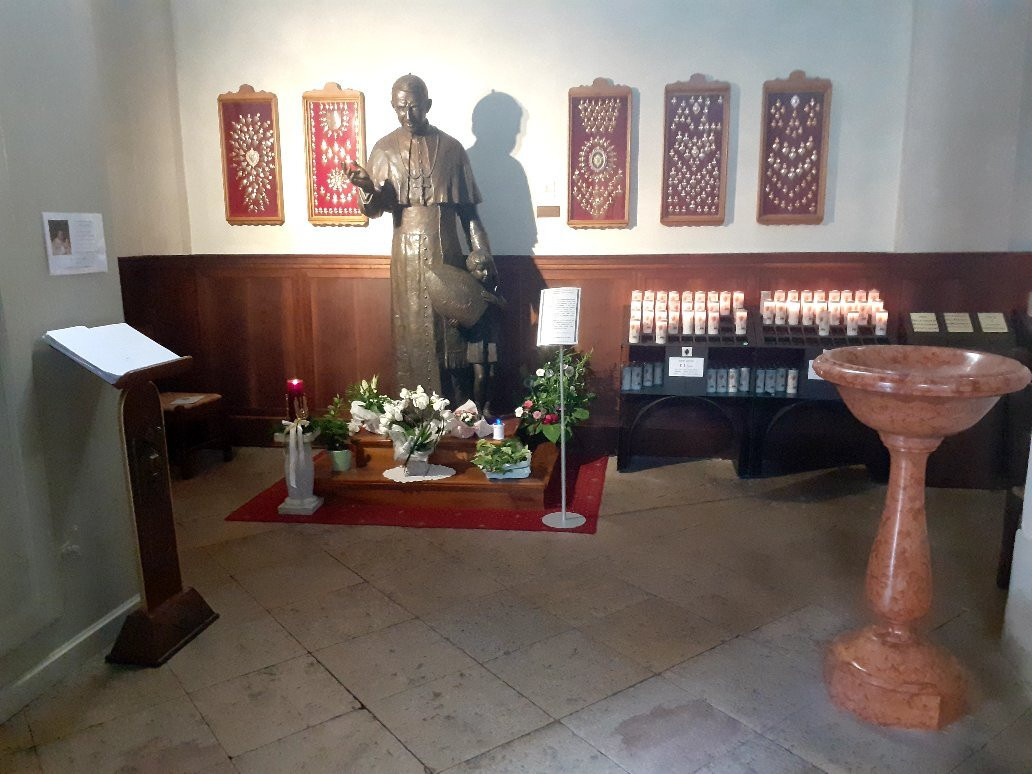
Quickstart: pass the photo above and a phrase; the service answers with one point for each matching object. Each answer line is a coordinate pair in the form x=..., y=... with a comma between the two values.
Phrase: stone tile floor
x=685, y=636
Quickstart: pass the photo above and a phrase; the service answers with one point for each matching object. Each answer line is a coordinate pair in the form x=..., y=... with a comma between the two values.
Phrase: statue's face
x=411, y=108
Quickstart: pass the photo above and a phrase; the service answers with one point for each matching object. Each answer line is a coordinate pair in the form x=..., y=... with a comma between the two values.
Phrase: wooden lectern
x=171, y=616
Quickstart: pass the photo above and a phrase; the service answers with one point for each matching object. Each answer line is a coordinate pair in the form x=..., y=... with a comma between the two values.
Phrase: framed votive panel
x=251, y=172
x=695, y=129
x=794, y=150
x=599, y=166
x=334, y=141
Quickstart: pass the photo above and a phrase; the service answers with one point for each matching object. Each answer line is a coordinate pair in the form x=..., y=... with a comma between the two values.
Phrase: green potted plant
x=539, y=412
x=335, y=433
x=506, y=459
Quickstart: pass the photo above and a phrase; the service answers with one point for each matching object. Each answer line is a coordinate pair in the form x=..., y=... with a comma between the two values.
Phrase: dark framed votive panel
x=794, y=150
x=695, y=131
x=599, y=164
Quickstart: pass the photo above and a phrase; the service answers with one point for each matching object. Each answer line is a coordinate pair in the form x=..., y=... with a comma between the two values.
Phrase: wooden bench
x=193, y=421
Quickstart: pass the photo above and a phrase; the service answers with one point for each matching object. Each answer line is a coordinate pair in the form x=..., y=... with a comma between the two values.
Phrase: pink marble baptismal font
x=913, y=396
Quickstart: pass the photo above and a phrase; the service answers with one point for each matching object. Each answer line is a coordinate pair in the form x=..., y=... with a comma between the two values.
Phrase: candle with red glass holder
x=297, y=404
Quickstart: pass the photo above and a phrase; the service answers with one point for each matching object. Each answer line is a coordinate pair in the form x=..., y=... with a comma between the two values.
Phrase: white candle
x=767, y=310
x=713, y=328
x=674, y=323
x=732, y=380
x=725, y=302
x=700, y=298
x=792, y=381
x=779, y=295
x=881, y=323
x=834, y=296
x=819, y=297
x=741, y=317
x=634, y=337
x=847, y=296
x=686, y=301
x=793, y=295
x=661, y=328
x=780, y=312
x=874, y=294
x=861, y=296
x=688, y=324
x=648, y=319
x=823, y=322
x=766, y=295
x=862, y=315
x=673, y=299
x=637, y=295
x=498, y=430
x=806, y=296
x=793, y=313
x=713, y=298
x=852, y=323
x=700, y=322
x=738, y=299
x=807, y=312
x=835, y=313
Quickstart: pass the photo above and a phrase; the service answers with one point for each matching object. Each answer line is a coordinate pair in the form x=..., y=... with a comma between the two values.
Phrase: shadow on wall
x=506, y=212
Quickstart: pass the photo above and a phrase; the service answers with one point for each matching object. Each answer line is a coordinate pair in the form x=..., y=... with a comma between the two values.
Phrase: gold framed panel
x=334, y=122
x=252, y=180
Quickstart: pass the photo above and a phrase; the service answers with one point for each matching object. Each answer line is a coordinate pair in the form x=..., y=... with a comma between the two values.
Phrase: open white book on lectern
x=109, y=351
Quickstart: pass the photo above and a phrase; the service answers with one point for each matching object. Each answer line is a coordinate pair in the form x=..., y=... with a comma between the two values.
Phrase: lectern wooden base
x=152, y=637
x=170, y=615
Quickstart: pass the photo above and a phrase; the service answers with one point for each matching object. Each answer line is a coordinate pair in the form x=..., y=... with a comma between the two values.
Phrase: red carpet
x=584, y=482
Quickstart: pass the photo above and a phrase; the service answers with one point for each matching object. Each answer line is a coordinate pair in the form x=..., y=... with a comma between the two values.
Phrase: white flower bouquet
x=467, y=422
x=415, y=422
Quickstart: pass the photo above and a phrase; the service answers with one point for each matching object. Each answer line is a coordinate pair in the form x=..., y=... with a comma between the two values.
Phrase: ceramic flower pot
x=340, y=460
x=519, y=470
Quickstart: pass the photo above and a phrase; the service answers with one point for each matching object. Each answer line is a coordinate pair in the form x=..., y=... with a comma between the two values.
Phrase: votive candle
x=852, y=323
x=713, y=326
x=738, y=299
x=823, y=321
x=725, y=302
x=741, y=317
x=498, y=430
x=881, y=323
x=793, y=313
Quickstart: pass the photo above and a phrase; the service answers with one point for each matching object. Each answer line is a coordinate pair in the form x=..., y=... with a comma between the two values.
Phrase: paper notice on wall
x=924, y=322
x=558, y=317
x=689, y=367
x=74, y=242
x=958, y=322
x=992, y=322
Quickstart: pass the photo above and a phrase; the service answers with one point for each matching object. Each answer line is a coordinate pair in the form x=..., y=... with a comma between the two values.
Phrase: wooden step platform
x=468, y=488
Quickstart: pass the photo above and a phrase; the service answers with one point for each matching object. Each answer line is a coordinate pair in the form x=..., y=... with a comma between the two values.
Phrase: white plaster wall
x=961, y=149
x=67, y=550
x=1021, y=209
x=535, y=51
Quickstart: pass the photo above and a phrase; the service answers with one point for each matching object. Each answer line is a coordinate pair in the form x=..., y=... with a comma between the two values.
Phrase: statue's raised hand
x=360, y=179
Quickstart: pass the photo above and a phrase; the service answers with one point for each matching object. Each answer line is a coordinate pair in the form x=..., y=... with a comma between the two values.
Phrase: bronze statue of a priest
x=423, y=178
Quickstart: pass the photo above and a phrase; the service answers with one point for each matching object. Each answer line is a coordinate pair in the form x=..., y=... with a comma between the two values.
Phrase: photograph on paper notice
x=74, y=242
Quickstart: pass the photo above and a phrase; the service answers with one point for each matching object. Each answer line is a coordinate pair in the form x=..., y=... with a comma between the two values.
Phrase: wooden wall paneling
x=351, y=340
x=251, y=321
x=247, y=323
